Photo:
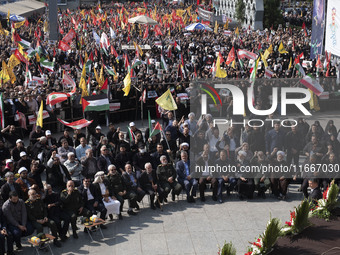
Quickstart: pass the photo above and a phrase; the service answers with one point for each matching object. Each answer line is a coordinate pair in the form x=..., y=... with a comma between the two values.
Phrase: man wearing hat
x=95, y=136
x=24, y=182
x=51, y=141
x=24, y=161
x=57, y=175
x=279, y=185
x=17, y=149
x=37, y=215
x=148, y=131
x=40, y=149
x=133, y=129
x=9, y=186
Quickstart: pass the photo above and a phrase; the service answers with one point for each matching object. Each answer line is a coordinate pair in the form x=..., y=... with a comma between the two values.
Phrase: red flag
x=70, y=35
x=303, y=25
x=146, y=33
x=113, y=51
x=26, y=23
x=104, y=86
x=91, y=56
x=63, y=46
x=95, y=52
x=231, y=56
x=221, y=58
x=20, y=57
x=157, y=31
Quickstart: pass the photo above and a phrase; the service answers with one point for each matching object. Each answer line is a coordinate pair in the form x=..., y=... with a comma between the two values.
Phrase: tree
x=240, y=11
x=272, y=13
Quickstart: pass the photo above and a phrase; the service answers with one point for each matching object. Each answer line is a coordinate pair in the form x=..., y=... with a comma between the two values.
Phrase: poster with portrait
x=332, y=43
x=318, y=27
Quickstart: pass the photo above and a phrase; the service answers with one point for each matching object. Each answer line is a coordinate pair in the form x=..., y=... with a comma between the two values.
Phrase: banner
x=33, y=118
x=332, y=43
x=317, y=28
x=205, y=15
x=114, y=107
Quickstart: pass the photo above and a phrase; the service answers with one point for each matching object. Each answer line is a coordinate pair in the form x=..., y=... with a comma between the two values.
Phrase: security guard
x=37, y=215
x=73, y=205
x=166, y=175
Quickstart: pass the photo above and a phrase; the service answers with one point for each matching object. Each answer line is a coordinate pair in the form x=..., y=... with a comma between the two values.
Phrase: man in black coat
x=57, y=175
x=4, y=234
x=92, y=198
x=104, y=160
x=315, y=193
x=9, y=186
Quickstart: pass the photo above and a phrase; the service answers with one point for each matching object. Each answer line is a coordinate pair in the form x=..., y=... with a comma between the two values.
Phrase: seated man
x=55, y=213
x=132, y=184
x=37, y=215
x=262, y=183
x=184, y=178
x=74, y=167
x=15, y=212
x=24, y=182
x=166, y=176
x=118, y=187
x=73, y=205
x=149, y=183
x=4, y=234
x=315, y=193
x=92, y=199
x=57, y=174
x=9, y=186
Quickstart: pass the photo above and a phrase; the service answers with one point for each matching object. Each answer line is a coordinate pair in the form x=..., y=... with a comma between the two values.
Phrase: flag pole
x=141, y=102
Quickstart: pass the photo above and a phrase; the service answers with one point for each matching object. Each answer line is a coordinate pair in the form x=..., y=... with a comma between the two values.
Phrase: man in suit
x=57, y=175
x=9, y=186
x=92, y=198
x=5, y=235
x=204, y=162
x=157, y=155
x=132, y=184
x=315, y=193
x=184, y=178
x=104, y=160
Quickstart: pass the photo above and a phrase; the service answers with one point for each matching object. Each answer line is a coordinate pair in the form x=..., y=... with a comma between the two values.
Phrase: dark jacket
x=5, y=190
x=181, y=172
x=94, y=191
x=102, y=163
x=145, y=180
x=55, y=178
x=315, y=195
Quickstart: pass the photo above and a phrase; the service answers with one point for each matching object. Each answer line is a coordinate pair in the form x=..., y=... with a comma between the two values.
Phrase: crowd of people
x=51, y=182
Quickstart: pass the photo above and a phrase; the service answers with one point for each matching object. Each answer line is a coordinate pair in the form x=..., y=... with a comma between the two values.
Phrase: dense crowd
x=51, y=182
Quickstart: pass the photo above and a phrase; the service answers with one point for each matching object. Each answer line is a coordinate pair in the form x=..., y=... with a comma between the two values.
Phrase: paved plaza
x=183, y=228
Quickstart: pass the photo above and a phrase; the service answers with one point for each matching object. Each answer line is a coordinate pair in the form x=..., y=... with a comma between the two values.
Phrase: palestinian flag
x=110, y=70
x=22, y=42
x=163, y=63
x=79, y=124
x=56, y=97
x=47, y=64
x=136, y=63
x=2, y=113
x=156, y=130
x=104, y=87
x=96, y=103
x=312, y=84
x=300, y=69
x=88, y=65
x=131, y=134
x=31, y=53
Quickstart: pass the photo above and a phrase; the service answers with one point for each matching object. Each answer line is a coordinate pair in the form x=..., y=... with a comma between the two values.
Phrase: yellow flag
x=233, y=64
x=19, y=24
x=45, y=26
x=237, y=32
x=4, y=32
x=220, y=73
x=282, y=49
x=127, y=84
x=166, y=101
x=5, y=75
x=266, y=54
x=226, y=25
x=8, y=71
x=101, y=77
x=96, y=75
x=24, y=54
x=264, y=61
x=189, y=10
x=216, y=27
x=138, y=48
x=82, y=83
x=270, y=48
x=37, y=57
x=40, y=115
x=290, y=63
x=13, y=62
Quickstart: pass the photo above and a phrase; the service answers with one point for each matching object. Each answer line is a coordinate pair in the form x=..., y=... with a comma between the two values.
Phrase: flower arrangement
x=227, y=249
x=327, y=203
x=266, y=241
x=299, y=219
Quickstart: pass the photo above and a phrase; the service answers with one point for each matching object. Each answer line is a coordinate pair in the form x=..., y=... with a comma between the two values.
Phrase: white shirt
x=89, y=195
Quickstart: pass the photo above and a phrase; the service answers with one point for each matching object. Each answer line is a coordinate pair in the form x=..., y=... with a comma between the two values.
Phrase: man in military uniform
x=73, y=205
x=166, y=175
x=118, y=187
x=37, y=215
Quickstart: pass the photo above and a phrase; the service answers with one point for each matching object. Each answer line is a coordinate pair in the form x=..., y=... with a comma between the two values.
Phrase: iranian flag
x=177, y=47
x=246, y=54
x=96, y=103
x=163, y=63
x=156, y=130
x=79, y=124
x=56, y=97
x=312, y=84
x=2, y=114
x=131, y=134
x=47, y=64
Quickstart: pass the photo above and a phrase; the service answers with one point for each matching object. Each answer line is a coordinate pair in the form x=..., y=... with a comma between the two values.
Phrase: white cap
x=242, y=153
x=48, y=132
x=22, y=154
x=98, y=127
x=184, y=144
x=19, y=141
x=100, y=173
x=280, y=153
x=153, y=121
x=22, y=169
x=132, y=124
x=9, y=161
